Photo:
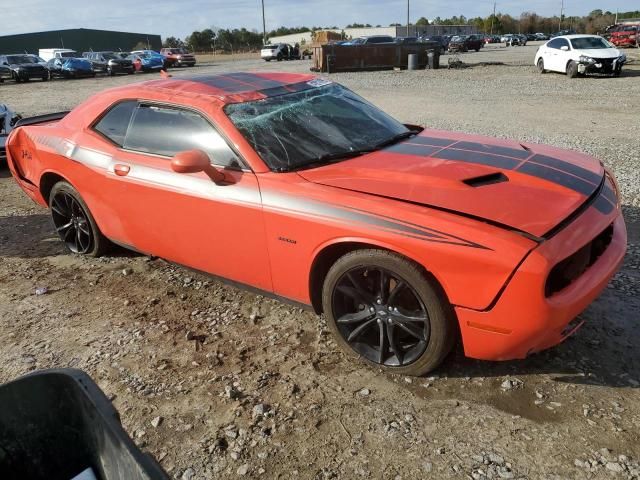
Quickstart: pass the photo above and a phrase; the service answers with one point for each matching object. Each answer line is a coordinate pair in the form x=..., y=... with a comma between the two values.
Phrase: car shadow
x=33, y=236
x=4, y=171
x=603, y=352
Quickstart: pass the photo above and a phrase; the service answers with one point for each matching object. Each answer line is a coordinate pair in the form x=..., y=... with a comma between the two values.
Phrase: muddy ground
x=216, y=382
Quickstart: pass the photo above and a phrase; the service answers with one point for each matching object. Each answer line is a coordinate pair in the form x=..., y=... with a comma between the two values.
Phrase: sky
x=179, y=18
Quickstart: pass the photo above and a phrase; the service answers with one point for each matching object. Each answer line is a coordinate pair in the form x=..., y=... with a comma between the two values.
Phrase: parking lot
x=216, y=382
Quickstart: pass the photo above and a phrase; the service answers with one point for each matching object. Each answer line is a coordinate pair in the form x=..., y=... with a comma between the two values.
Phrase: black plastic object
x=56, y=423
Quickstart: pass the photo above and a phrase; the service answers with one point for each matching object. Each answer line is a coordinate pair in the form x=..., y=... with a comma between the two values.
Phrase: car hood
x=527, y=187
x=600, y=52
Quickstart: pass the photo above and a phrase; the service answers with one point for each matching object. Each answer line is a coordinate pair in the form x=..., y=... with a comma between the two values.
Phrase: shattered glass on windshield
x=312, y=127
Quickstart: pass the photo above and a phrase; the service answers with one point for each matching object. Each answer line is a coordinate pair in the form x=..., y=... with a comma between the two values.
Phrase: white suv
x=277, y=51
x=579, y=54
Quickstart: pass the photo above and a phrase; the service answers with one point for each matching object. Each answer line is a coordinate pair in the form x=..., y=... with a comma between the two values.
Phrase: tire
x=279, y=58
x=540, y=65
x=410, y=290
x=67, y=206
x=477, y=49
x=572, y=69
x=45, y=78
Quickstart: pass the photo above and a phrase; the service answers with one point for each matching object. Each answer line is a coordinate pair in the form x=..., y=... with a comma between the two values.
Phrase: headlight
x=585, y=59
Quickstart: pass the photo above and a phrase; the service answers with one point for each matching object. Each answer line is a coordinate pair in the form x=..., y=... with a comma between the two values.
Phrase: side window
x=555, y=43
x=114, y=124
x=167, y=131
x=564, y=43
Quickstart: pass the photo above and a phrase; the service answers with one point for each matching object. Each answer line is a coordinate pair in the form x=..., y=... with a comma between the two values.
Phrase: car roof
x=226, y=87
x=570, y=37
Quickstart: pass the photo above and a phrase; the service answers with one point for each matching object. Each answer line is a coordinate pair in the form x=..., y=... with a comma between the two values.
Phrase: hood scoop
x=483, y=180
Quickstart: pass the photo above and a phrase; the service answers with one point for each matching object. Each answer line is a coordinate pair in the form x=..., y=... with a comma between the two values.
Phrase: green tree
x=173, y=42
x=422, y=21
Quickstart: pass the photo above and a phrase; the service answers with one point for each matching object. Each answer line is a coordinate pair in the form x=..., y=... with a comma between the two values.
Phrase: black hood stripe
x=556, y=176
x=603, y=205
x=547, y=168
x=487, y=159
x=576, y=170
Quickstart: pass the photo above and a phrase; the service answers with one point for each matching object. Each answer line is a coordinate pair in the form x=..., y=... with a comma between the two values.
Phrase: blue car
x=147, y=62
x=70, y=68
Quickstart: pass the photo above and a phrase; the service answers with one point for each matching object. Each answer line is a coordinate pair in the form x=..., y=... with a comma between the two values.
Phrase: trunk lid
x=531, y=188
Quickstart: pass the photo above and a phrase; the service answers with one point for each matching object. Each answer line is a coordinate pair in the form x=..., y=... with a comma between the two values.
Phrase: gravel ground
x=220, y=383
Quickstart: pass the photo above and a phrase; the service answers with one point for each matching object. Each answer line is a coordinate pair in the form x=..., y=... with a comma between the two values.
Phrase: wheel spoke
x=398, y=287
x=64, y=227
x=57, y=207
x=381, y=346
x=401, y=317
x=360, y=329
x=82, y=225
x=70, y=230
x=385, y=283
x=356, y=317
x=410, y=329
x=391, y=334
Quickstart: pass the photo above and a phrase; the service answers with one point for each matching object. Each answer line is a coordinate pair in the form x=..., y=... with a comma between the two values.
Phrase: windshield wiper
x=395, y=139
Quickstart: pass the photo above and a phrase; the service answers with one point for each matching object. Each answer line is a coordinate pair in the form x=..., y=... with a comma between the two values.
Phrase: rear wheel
x=74, y=223
x=383, y=309
x=572, y=69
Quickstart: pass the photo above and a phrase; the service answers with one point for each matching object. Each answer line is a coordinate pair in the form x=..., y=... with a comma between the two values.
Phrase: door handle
x=121, y=170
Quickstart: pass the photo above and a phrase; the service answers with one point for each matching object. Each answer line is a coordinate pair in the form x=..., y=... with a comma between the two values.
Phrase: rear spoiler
x=49, y=117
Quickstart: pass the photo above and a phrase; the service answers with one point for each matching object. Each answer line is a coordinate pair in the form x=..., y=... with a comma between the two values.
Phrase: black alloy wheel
x=388, y=311
x=71, y=223
x=74, y=223
x=381, y=316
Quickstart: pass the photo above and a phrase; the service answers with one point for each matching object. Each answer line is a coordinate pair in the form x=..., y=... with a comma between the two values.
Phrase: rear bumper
x=524, y=320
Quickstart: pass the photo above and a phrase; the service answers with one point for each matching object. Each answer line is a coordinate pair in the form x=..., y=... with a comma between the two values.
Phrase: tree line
x=236, y=40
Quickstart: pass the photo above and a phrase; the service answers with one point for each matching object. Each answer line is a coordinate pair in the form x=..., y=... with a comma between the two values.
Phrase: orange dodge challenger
x=405, y=238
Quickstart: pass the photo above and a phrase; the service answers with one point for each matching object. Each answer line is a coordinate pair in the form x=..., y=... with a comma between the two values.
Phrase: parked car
x=23, y=67
x=512, y=40
x=279, y=52
x=464, y=43
x=48, y=53
x=5, y=73
x=70, y=68
x=146, y=62
x=541, y=36
x=109, y=63
x=403, y=262
x=523, y=39
x=579, y=54
x=405, y=40
x=178, y=57
x=562, y=33
x=8, y=119
x=440, y=39
x=626, y=36
x=371, y=40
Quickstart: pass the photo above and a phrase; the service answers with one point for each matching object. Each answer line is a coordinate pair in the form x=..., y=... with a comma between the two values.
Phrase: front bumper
x=606, y=66
x=524, y=320
x=29, y=74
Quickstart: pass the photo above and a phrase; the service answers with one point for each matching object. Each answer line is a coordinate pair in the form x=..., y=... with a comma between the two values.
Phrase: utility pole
x=561, y=14
x=264, y=26
x=493, y=17
x=408, y=34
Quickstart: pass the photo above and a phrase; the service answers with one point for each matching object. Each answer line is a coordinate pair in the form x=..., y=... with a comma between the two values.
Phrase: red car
x=625, y=36
x=408, y=239
x=178, y=57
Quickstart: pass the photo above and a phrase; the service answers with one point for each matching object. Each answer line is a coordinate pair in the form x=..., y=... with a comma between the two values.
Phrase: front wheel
x=572, y=69
x=541, y=68
x=74, y=223
x=385, y=310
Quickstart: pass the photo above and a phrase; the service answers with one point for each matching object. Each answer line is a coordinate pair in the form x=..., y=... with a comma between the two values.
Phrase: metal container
x=412, y=61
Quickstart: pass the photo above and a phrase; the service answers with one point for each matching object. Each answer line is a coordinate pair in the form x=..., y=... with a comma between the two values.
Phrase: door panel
x=190, y=220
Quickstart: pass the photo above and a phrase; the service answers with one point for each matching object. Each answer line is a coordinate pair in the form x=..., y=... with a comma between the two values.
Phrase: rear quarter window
x=115, y=122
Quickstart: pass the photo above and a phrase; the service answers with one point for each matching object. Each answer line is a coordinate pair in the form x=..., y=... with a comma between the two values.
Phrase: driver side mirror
x=564, y=48
x=191, y=161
